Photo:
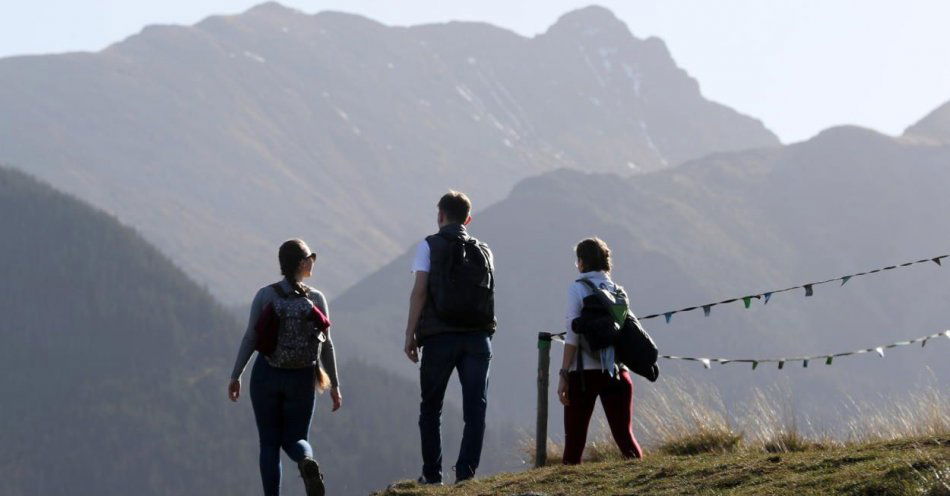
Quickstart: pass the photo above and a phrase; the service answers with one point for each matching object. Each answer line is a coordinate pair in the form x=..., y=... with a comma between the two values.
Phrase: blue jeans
x=283, y=407
x=470, y=354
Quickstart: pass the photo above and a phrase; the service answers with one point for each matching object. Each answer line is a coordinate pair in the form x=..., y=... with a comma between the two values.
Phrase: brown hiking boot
x=312, y=478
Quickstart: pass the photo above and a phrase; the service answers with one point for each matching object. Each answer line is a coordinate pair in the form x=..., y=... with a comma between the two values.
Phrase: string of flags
x=809, y=290
x=828, y=359
x=781, y=361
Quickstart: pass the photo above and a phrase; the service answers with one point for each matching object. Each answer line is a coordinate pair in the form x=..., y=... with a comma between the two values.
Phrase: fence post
x=541, y=433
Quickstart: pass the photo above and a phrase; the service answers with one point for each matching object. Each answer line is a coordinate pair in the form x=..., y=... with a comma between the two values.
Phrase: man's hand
x=412, y=348
x=417, y=301
x=234, y=389
x=337, y=398
x=562, y=392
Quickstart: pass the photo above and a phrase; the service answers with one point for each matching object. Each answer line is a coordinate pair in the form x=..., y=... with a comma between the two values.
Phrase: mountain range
x=115, y=366
x=218, y=141
x=172, y=164
x=727, y=225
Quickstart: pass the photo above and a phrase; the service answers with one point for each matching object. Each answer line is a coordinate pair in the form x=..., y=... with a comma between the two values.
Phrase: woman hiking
x=294, y=359
x=585, y=374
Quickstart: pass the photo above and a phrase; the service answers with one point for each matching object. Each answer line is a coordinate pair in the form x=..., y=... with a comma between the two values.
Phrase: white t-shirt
x=575, y=301
x=421, y=262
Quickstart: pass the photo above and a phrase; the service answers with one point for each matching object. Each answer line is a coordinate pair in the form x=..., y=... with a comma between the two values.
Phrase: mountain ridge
x=934, y=127
x=115, y=366
x=727, y=225
x=199, y=135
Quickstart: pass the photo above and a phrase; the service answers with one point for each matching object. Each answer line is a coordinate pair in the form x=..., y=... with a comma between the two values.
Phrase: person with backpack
x=289, y=327
x=592, y=364
x=452, y=319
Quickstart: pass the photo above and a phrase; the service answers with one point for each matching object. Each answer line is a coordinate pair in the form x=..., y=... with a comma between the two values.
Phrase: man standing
x=452, y=319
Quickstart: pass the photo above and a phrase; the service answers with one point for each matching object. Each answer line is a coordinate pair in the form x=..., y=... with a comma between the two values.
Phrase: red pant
x=616, y=396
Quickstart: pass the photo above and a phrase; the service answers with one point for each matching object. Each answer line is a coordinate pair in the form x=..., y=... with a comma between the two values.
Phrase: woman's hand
x=234, y=389
x=337, y=398
x=562, y=391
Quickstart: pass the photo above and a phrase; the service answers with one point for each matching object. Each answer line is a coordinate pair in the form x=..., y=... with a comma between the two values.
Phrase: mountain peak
x=271, y=9
x=591, y=21
x=934, y=127
x=846, y=135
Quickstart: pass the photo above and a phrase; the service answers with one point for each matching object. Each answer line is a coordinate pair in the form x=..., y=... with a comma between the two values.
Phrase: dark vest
x=430, y=324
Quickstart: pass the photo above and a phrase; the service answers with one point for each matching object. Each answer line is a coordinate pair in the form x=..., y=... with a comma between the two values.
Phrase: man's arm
x=417, y=301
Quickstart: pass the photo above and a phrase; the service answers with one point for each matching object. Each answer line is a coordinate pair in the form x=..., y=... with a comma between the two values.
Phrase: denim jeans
x=470, y=354
x=283, y=407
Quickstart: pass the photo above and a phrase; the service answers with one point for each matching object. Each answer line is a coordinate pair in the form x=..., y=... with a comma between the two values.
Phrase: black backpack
x=606, y=320
x=466, y=293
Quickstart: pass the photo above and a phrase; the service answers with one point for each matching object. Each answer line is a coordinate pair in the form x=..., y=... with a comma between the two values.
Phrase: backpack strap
x=279, y=290
x=580, y=363
x=596, y=291
x=600, y=293
x=587, y=282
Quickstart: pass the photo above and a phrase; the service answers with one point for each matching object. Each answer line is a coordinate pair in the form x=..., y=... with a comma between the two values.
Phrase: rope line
x=809, y=290
x=828, y=358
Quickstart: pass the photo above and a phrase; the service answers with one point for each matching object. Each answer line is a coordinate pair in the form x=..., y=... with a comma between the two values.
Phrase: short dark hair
x=594, y=254
x=456, y=206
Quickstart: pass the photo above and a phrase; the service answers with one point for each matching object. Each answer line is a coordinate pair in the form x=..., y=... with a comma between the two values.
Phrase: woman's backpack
x=290, y=330
x=601, y=315
x=606, y=320
x=636, y=349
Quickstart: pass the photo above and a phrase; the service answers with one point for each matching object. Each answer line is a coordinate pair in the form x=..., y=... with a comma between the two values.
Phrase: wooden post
x=541, y=433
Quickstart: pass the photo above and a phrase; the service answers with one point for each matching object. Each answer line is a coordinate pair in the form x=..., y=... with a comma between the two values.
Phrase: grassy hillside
x=695, y=443
x=918, y=466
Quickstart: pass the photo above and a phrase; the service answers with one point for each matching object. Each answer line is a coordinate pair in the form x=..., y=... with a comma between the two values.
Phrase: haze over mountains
x=727, y=225
x=218, y=141
x=114, y=369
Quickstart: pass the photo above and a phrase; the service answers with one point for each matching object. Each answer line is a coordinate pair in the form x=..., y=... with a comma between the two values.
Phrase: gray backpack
x=298, y=338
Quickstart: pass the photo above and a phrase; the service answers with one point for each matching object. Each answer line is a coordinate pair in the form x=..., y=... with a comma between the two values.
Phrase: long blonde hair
x=321, y=381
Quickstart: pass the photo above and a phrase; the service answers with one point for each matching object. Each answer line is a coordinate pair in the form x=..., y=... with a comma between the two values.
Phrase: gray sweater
x=266, y=295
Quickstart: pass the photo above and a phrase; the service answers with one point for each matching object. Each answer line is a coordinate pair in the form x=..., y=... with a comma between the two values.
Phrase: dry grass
x=909, y=467
x=680, y=418
x=696, y=445
x=771, y=424
x=684, y=418
x=923, y=413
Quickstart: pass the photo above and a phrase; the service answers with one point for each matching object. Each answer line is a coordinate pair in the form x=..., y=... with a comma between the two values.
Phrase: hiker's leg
x=577, y=414
x=438, y=360
x=297, y=413
x=473, y=368
x=266, y=400
x=617, y=399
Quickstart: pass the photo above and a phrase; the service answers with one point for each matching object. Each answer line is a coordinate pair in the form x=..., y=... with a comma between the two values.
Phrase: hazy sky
x=799, y=65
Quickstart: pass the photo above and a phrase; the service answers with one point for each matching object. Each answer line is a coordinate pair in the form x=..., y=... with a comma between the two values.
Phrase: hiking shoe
x=425, y=482
x=312, y=478
x=460, y=478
